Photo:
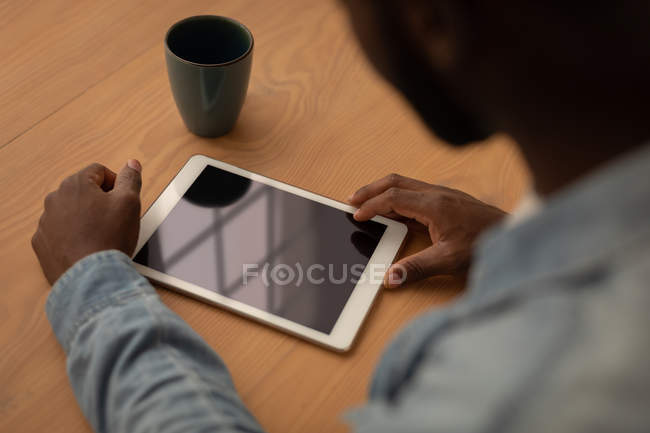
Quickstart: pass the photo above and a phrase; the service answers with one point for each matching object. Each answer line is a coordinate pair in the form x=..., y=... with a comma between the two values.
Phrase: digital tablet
x=272, y=252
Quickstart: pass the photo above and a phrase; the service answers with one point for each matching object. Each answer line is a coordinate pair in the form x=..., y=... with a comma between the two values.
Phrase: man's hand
x=453, y=219
x=93, y=210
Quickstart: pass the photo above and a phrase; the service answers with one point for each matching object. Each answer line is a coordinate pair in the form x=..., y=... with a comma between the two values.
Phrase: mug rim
x=207, y=65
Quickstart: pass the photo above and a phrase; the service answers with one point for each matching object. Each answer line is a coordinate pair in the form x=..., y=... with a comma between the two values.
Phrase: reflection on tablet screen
x=265, y=247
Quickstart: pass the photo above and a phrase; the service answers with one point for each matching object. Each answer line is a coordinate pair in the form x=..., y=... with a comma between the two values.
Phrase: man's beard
x=442, y=115
x=423, y=87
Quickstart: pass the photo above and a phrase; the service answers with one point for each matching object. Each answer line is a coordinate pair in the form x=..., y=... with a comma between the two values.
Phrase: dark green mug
x=209, y=62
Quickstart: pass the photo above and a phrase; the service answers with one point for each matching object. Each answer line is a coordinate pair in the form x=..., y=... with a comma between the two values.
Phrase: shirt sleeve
x=134, y=365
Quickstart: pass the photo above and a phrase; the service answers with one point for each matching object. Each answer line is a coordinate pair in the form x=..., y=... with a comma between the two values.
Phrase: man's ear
x=435, y=27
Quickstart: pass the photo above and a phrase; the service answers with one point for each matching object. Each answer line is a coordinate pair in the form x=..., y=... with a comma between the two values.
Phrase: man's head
x=541, y=71
x=395, y=37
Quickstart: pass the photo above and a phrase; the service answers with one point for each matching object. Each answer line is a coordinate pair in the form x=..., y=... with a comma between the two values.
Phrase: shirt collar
x=529, y=206
x=578, y=227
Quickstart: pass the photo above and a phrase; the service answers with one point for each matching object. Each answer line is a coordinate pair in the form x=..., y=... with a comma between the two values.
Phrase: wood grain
x=84, y=81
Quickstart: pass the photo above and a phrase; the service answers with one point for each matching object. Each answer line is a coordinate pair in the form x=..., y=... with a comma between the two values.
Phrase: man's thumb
x=129, y=179
x=418, y=266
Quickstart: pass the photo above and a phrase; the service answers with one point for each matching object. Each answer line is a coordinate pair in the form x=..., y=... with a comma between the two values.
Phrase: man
x=552, y=334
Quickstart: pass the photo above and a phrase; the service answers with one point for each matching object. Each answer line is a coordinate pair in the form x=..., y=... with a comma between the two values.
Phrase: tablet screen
x=268, y=248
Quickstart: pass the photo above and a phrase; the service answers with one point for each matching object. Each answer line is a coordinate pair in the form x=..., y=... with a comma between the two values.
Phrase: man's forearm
x=134, y=365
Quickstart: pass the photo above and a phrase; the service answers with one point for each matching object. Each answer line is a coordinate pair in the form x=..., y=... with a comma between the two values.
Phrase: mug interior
x=209, y=40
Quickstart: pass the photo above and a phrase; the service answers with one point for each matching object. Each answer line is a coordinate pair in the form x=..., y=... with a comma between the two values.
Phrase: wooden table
x=84, y=81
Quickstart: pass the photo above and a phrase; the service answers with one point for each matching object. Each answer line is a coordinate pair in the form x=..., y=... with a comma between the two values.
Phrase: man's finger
x=109, y=180
x=99, y=175
x=385, y=183
x=129, y=179
x=393, y=201
x=427, y=263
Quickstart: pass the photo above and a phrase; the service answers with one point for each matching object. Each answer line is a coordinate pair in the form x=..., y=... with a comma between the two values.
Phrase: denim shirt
x=553, y=334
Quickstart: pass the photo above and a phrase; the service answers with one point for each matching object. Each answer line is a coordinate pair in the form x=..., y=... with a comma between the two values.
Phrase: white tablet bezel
x=357, y=306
